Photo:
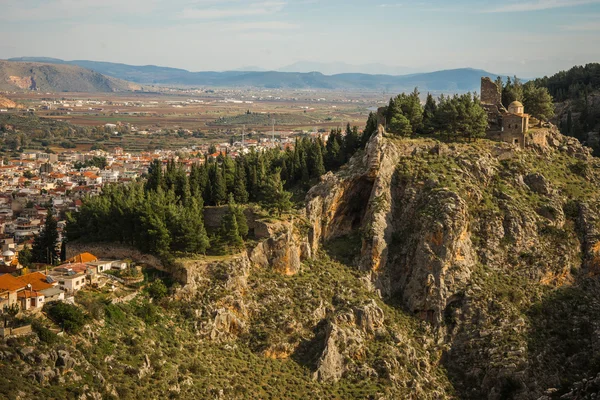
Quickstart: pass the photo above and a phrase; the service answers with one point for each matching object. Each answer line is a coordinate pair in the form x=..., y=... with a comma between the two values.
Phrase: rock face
x=283, y=250
x=439, y=222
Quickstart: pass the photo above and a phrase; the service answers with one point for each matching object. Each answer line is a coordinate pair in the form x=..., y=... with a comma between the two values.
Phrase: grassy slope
x=186, y=364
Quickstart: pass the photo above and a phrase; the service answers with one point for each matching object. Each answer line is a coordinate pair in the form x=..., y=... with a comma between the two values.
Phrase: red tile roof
x=10, y=283
x=82, y=258
x=37, y=280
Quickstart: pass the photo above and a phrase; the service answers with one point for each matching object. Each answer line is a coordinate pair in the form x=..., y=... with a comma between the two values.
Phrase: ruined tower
x=490, y=92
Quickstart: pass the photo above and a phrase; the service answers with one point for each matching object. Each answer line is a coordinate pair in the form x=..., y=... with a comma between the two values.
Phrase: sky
x=528, y=38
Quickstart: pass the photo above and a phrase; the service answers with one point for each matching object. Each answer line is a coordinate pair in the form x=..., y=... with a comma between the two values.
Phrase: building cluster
x=38, y=182
x=31, y=290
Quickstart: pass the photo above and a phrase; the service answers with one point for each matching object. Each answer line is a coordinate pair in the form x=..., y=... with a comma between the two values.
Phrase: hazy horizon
x=527, y=38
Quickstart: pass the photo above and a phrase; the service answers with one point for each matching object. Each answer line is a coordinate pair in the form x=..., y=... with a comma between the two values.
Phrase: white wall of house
x=72, y=283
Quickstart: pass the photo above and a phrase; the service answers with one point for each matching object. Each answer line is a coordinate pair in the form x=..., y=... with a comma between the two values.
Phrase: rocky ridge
x=476, y=278
x=472, y=238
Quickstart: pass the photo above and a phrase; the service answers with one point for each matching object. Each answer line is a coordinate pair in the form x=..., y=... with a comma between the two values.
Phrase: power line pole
x=273, y=140
x=243, y=133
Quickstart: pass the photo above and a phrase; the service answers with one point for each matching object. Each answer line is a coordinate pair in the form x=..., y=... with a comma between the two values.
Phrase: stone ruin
x=510, y=126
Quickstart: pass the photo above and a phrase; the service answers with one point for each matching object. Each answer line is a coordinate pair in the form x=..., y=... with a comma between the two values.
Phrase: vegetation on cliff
x=163, y=215
x=269, y=347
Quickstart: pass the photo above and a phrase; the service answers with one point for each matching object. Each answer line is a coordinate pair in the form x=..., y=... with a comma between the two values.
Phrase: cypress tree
x=370, y=130
x=239, y=186
x=230, y=235
x=155, y=175
x=318, y=167
x=429, y=115
x=218, y=189
x=191, y=234
x=240, y=217
x=305, y=177
x=45, y=244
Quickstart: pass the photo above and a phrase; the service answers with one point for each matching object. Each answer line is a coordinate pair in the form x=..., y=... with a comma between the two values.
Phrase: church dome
x=516, y=107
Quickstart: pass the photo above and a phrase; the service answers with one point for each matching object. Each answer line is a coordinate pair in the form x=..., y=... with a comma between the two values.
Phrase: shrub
x=70, y=317
x=157, y=290
x=148, y=312
x=44, y=334
x=113, y=313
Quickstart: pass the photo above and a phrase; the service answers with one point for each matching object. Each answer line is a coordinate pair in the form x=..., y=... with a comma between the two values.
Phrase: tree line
x=536, y=99
x=164, y=214
x=575, y=88
x=452, y=116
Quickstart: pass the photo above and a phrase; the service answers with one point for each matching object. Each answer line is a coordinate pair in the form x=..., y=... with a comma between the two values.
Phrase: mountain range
x=450, y=81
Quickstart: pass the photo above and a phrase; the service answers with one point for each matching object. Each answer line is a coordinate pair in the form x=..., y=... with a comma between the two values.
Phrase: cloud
x=539, y=5
x=241, y=10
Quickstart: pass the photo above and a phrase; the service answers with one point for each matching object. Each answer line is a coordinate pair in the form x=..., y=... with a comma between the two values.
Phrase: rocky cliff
x=474, y=239
x=420, y=270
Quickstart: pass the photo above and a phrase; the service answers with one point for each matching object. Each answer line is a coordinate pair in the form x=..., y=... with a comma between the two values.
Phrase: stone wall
x=514, y=124
x=538, y=138
x=490, y=94
x=213, y=216
x=8, y=332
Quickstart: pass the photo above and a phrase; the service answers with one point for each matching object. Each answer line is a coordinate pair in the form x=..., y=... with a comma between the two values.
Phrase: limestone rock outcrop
x=441, y=224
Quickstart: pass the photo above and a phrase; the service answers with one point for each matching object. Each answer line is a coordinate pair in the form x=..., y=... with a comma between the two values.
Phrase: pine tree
x=297, y=163
x=538, y=102
x=228, y=167
x=274, y=196
x=401, y=125
x=391, y=111
x=350, y=141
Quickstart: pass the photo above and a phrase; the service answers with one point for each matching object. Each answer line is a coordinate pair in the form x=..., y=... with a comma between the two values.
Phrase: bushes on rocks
x=68, y=316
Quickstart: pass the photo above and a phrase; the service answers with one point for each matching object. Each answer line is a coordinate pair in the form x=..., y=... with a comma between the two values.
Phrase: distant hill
x=56, y=76
x=344, y=68
x=456, y=80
